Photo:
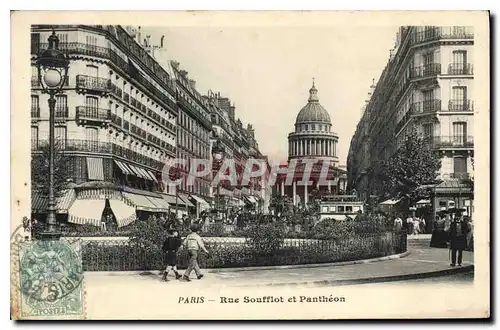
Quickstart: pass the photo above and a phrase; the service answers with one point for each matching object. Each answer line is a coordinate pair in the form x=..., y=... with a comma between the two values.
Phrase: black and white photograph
x=250, y=165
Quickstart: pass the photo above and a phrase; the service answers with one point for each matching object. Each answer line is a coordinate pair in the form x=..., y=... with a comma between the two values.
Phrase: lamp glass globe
x=52, y=78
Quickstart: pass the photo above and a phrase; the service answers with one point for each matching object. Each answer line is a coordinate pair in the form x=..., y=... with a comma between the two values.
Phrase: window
x=428, y=58
x=91, y=106
x=340, y=208
x=92, y=138
x=307, y=128
x=428, y=130
x=460, y=57
x=60, y=137
x=428, y=97
x=459, y=98
x=313, y=127
x=35, y=108
x=34, y=137
x=92, y=71
x=63, y=40
x=61, y=106
x=459, y=166
x=348, y=208
x=459, y=132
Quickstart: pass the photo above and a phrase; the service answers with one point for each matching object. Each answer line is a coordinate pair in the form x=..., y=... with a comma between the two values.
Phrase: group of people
x=413, y=225
x=192, y=243
x=456, y=229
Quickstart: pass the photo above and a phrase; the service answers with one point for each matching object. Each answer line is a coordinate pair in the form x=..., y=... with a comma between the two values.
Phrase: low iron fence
x=122, y=255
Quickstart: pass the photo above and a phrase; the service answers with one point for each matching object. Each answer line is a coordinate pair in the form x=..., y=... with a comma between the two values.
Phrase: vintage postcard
x=250, y=165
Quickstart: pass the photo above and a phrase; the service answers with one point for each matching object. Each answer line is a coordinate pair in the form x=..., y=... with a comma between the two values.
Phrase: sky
x=267, y=72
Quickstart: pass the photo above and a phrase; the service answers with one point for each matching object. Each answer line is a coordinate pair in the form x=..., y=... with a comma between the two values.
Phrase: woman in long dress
x=439, y=236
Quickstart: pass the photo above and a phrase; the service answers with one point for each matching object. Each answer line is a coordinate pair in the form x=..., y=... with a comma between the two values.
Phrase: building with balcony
x=193, y=137
x=116, y=121
x=312, y=139
x=239, y=144
x=427, y=85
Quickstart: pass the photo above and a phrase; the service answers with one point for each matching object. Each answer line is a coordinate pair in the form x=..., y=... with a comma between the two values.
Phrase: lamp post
x=218, y=156
x=52, y=67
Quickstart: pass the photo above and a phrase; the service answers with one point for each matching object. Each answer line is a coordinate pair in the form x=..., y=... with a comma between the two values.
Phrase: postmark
x=50, y=279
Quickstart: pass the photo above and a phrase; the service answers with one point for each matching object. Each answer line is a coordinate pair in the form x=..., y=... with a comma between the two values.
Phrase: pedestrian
x=416, y=226
x=458, y=239
x=398, y=223
x=170, y=248
x=439, y=238
x=193, y=244
x=422, y=225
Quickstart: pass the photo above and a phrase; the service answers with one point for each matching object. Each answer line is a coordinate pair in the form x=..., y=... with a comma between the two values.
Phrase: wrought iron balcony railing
x=461, y=176
x=126, y=125
x=116, y=90
x=426, y=106
x=427, y=70
x=93, y=83
x=73, y=145
x=460, y=105
x=126, y=97
x=437, y=33
x=116, y=120
x=461, y=141
x=86, y=113
x=460, y=69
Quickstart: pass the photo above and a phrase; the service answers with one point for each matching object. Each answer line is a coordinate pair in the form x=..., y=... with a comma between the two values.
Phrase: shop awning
x=39, y=202
x=160, y=203
x=453, y=187
x=124, y=168
x=201, y=202
x=141, y=202
x=391, y=202
x=86, y=211
x=185, y=200
x=124, y=214
x=424, y=201
x=170, y=199
x=95, y=169
x=252, y=199
x=151, y=175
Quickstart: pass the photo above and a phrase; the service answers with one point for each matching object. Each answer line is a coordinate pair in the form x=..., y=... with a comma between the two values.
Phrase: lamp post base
x=49, y=236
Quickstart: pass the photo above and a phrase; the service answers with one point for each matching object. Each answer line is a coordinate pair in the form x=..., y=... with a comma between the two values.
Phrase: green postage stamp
x=50, y=280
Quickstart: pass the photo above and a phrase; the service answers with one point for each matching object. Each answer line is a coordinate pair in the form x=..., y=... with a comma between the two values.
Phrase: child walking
x=170, y=247
x=193, y=243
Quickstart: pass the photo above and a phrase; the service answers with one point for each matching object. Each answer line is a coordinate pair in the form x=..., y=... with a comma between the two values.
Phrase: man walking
x=458, y=239
x=193, y=244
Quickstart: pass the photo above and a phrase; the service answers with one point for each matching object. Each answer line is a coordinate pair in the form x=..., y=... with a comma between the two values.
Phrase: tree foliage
x=413, y=165
x=40, y=169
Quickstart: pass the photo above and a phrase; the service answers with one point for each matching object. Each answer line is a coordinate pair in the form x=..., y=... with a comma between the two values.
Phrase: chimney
x=183, y=73
x=231, y=111
x=250, y=130
x=192, y=83
x=139, y=35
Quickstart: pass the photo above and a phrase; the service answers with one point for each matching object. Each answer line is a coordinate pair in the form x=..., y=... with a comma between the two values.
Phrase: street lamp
x=52, y=67
x=218, y=156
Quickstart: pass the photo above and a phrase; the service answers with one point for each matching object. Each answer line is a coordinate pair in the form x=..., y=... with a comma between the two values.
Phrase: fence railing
x=460, y=69
x=460, y=105
x=461, y=141
x=120, y=255
x=93, y=83
x=91, y=113
x=427, y=70
x=426, y=106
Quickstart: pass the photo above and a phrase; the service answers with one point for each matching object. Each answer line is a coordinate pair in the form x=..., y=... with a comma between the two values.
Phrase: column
x=330, y=148
x=329, y=186
x=309, y=149
x=323, y=147
x=294, y=187
x=283, y=188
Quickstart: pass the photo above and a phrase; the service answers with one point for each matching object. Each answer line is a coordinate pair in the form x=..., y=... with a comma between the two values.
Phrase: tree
x=411, y=167
x=40, y=169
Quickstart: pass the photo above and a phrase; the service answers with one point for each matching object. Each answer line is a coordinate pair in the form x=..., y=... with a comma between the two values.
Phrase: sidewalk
x=421, y=262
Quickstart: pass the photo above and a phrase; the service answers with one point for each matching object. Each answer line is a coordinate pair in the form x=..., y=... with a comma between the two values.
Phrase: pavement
x=421, y=262
x=133, y=296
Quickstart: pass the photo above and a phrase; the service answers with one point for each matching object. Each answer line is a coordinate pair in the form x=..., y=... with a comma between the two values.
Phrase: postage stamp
x=50, y=279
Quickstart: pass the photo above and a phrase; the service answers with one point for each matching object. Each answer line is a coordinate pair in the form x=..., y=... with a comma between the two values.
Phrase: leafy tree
x=40, y=169
x=413, y=165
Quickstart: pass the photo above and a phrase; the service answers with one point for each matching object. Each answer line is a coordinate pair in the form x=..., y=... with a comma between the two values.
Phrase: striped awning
x=170, y=199
x=39, y=202
x=142, y=203
x=95, y=169
x=86, y=211
x=185, y=200
x=252, y=199
x=203, y=203
x=160, y=203
x=124, y=213
x=124, y=168
x=151, y=175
